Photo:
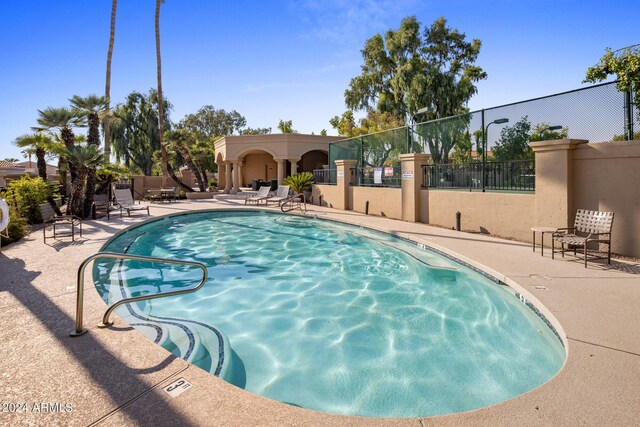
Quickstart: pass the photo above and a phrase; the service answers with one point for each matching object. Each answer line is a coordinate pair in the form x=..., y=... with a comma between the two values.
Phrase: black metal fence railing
x=597, y=113
x=324, y=176
x=515, y=175
x=384, y=176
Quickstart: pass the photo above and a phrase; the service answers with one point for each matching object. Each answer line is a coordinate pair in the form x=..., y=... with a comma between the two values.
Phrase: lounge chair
x=100, y=203
x=125, y=201
x=263, y=194
x=281, y=195
x=50, y=219
x=589, y=226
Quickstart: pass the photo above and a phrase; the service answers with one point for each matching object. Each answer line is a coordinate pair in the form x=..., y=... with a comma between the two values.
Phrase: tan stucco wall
x=502, y=214
x=280, y=146
x=254, y=167
x=423, y=199
x=607, y=178
x=331, y=194
x=385, y=202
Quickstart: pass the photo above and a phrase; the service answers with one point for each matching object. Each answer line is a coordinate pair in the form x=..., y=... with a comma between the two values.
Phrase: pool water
x=336, y=318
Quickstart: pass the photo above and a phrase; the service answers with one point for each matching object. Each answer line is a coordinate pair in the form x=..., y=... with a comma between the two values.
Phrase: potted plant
x=213, y=185
x=300, y=183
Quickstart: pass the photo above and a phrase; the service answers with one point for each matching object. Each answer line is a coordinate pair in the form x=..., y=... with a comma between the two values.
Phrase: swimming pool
x=331, y=317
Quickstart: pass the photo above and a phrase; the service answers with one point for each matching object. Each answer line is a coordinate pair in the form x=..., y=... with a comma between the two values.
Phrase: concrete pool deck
x=115, y=376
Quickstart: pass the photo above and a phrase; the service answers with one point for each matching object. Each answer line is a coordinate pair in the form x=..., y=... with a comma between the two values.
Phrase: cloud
x=348, y=21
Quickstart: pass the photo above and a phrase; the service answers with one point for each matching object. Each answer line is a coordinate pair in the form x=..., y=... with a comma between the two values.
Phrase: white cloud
x=347, y=21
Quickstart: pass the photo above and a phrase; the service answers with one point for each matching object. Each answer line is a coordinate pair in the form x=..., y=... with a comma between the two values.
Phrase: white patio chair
x=263, y=194
x=281, y=194
x=125, y=201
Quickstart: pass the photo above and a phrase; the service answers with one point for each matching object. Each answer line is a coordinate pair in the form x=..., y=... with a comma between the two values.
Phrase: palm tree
x=11, y=160
x=63, y=120
x=39, y=144
x=83, y=158
x=181, y=140
x=93, y=108
x=107, y=86
x=163, y=149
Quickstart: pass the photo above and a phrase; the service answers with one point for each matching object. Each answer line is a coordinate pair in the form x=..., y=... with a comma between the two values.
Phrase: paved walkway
x=115, y=377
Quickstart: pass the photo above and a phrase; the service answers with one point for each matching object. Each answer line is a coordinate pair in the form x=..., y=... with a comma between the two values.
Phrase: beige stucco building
x=243, y=158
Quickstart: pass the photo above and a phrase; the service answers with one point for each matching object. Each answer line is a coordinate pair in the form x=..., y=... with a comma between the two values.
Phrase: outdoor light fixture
x=550, y=128
x=496, y=121
x=421, y=111
x=486, y=151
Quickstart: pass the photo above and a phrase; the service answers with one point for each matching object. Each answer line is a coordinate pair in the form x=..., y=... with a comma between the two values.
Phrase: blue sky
x=273, y=60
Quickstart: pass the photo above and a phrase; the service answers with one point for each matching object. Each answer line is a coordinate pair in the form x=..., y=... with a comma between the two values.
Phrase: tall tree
x=93, y=108
x=62, y=120
x=209, y=122
x=39, y=144
x=160, y=98
x=407, y=70
x=624, y=64
x=83, y=158
x=107, y=86
x=286, y=126
x=255, y=131
x=181, y=140
x=135, y=132
x=514, y=142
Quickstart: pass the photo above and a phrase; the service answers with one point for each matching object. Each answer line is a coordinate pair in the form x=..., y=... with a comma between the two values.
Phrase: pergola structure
x=243, y=158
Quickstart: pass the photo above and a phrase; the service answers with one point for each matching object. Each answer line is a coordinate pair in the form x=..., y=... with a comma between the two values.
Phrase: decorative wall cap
x=557, y=144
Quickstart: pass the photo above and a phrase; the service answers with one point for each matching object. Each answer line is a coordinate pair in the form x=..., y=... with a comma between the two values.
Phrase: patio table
x=542, y=231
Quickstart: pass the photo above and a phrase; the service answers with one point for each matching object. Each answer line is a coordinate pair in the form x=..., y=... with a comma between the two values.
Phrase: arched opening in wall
x=258, y=164
x=312, y=160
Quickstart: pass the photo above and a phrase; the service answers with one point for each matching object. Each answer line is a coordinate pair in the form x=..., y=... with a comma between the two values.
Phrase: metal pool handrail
x=105, y=319
x=291, y=200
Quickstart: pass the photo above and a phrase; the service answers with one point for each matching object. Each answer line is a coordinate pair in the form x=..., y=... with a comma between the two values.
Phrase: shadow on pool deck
x=86, y=358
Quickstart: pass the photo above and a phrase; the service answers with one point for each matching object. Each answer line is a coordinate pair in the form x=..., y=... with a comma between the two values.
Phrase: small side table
x=542, y=231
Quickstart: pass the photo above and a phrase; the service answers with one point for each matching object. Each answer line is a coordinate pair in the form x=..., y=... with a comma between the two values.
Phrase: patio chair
x=100, y=203
x=263, y=194
x=281, y=195
x=589, y=226
x=125, y=201
x=50, y=219
x=169, y=194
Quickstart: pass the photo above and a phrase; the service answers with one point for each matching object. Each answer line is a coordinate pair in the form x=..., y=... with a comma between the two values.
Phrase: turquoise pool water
x=332, y=317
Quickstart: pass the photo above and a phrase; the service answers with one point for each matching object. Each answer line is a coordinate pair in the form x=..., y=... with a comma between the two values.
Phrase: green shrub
x=299, y=182
x=25, y=194
x=213, y=183
x=17, y=228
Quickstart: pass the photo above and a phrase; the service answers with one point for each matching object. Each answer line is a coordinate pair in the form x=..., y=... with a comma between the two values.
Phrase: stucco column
x=343, y=184
x=227, y=177
x=281, y=170
x=236, y=177
x=294, y=166
x=554, y=182
x=411, y=184
x=240, y=172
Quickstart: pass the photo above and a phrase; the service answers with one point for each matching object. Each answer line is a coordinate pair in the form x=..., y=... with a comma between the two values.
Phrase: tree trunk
x=90, y=192
x=203, y=171
x=93, y=138
x=69, y=141
x=192, y=167
x=107, y=87
x=62, y=177
x=177, y=180
x=77, y=189
x=163, y=149
x=41, y=162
